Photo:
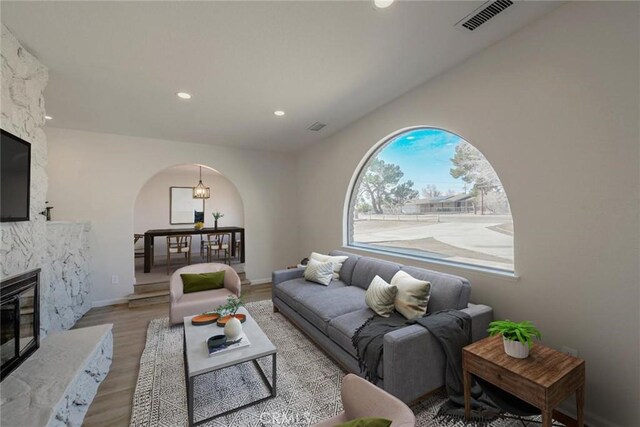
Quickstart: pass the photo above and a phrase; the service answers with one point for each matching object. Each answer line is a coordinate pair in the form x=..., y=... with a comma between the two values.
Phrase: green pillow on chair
x=367, y=422
x=202, y=281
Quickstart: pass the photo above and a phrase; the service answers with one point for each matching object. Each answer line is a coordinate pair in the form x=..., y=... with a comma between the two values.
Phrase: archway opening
x=427, y=193
x=166, y=201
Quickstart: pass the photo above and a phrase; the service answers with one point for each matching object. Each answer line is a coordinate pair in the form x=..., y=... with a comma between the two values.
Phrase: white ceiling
x=115, y=66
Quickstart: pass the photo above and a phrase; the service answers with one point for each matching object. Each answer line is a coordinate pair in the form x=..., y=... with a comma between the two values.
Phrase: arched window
x=428, y=193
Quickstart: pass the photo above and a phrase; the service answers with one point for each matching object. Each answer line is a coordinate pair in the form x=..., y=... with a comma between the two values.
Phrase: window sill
x=485, y=271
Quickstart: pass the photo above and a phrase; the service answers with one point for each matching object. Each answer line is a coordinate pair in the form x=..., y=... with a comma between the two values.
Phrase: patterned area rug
x=308, y=383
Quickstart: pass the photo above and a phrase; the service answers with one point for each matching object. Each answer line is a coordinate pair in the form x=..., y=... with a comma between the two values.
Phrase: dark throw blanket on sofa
x=368, y=341
x=452, y=329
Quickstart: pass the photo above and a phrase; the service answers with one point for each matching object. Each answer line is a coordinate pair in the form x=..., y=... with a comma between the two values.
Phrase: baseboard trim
x=106, y=302
x=260, y=281
x=568, y=410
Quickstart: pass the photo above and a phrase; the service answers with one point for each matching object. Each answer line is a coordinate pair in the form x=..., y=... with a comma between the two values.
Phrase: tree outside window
x=431, y=194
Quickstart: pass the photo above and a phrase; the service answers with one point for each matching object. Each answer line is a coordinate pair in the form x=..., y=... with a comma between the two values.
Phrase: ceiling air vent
x=482, y=14
x=316, y=126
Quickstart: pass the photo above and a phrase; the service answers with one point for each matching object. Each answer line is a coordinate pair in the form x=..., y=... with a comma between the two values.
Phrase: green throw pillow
x=202, y=281
x=367, y=422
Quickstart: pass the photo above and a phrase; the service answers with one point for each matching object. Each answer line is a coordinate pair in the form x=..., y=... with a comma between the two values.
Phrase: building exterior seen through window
x=428, y=193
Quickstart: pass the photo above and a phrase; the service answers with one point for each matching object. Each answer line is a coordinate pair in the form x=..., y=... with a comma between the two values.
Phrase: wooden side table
x=544, y=379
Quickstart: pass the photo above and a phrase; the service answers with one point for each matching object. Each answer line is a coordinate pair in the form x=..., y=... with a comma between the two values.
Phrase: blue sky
x=424, y=157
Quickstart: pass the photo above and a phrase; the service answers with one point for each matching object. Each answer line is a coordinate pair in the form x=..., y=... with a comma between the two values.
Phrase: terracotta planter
x=205, y=319
x=223, y=320
x=515, y=349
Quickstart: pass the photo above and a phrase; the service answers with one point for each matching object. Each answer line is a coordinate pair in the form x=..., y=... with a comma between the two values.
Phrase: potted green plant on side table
x=516, y=336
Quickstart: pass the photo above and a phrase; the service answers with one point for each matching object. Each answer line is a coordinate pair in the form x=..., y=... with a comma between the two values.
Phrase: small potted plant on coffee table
x=516, y=336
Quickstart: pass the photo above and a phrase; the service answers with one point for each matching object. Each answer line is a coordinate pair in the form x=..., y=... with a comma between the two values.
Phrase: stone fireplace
x=46, y=380
x=59, y=248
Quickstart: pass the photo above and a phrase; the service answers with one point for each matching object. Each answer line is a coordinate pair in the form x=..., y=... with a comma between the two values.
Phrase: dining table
x=150, y=235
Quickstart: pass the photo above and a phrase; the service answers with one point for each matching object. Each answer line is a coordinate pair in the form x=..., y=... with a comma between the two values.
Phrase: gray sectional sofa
x=413, y=362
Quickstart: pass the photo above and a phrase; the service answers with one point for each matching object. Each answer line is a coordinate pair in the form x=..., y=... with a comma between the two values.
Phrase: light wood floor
x=112, y=404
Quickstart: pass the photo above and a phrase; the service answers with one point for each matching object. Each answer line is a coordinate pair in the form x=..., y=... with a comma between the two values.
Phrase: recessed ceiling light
x=184, y=95
x=382, y=4
x=48, y=117
x=279, y=113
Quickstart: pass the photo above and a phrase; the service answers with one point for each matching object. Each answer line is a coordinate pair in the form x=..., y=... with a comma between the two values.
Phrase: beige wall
x=152, y=204
x=97, y=177
x=555, y=109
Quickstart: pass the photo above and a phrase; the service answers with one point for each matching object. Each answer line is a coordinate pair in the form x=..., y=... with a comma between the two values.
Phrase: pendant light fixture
x=200, y=191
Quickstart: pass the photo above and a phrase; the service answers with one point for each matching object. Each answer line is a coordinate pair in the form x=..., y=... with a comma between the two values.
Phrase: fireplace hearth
x=20, y=319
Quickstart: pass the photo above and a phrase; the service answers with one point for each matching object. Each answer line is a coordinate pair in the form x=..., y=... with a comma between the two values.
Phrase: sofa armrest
x=175, y=287
x=280, y=276
x=481, y=316
x=414, y=346
x=413, y=363
x=232, y=281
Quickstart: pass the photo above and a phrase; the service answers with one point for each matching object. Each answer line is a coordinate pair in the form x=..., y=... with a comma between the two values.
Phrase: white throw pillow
x=413, y=295
x=336, y=260
x=380, y=296
x=319, y=272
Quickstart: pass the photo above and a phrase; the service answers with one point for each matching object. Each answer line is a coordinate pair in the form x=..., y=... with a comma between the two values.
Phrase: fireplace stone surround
x=60, y=249
x=56, y=384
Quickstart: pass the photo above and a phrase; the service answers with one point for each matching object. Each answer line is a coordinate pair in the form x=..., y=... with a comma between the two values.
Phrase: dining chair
x=203, y=246
x=219, y=242
x=179, y=244
x=137, y=252
x=238, y=247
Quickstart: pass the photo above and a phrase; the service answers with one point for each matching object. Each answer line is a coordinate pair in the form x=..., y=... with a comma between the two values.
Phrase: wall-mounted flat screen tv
x=15, y=178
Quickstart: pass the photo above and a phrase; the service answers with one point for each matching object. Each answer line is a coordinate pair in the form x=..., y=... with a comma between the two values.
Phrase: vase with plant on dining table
x=216, y=216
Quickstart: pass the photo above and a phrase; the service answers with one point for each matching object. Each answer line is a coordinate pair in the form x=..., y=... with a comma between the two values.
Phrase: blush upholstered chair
x=199, y=302
x=361, y=399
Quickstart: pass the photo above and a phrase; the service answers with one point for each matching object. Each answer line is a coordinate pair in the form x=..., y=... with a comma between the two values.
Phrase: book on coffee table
x=243, y=341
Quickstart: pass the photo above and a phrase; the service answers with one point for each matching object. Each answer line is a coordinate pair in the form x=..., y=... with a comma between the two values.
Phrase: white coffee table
x=198, y=362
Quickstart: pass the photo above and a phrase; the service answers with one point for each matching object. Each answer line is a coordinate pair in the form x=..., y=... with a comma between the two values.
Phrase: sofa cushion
x=198, y=302
x=292, y=290
x=346, y=272
x=320, y=309
x=447, y=291
x=367, y=268
x=342, y=328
